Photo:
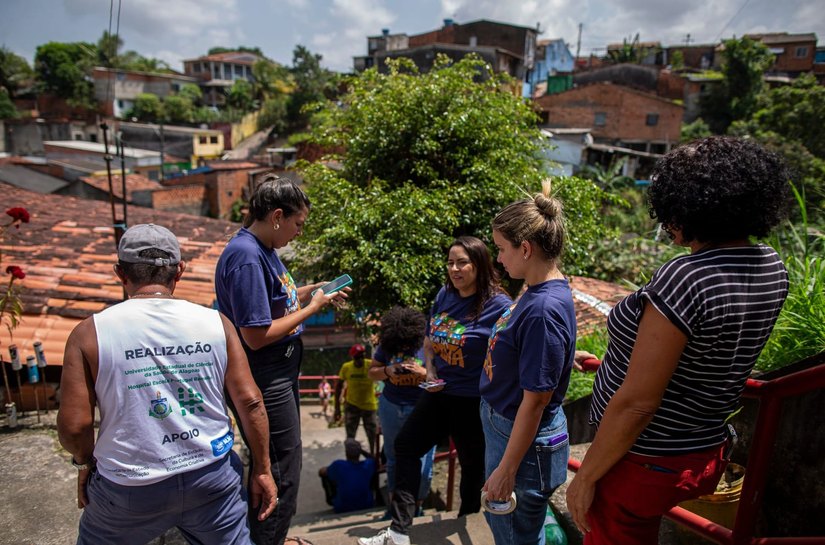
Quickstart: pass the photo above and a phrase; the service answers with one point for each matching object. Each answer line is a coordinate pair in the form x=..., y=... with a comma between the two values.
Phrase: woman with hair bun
x=527, y=371
x=256, y=292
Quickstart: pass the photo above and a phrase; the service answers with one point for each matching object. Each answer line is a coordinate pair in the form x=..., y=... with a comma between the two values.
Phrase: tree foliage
x=795, y=112
x=423, y=158
x=63, y=69
x=148, y=107
x=15, y=72
x=312, y=82
x=241, y=48
x=7, y=108
x=240, y=96
x=735, y=97
x=695, y=130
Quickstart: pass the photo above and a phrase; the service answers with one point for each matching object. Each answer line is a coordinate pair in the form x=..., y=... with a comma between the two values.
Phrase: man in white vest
x=157, y=368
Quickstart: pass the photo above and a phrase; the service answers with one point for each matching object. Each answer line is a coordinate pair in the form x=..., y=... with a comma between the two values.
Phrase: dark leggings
x=436, y=417
x=281, y=398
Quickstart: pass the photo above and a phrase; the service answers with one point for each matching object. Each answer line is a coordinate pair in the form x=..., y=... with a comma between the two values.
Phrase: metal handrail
x=770, y=394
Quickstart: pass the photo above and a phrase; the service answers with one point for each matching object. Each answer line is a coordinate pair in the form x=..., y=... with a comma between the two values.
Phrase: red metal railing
x=770, y=394
x=451, y=455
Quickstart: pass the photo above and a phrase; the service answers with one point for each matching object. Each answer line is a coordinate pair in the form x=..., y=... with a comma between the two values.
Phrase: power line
x=731, y=20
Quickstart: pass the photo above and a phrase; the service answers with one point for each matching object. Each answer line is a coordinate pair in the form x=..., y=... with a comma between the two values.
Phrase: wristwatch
x=80, y=467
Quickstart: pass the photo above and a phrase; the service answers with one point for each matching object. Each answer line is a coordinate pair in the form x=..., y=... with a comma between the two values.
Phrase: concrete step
x=436, y=527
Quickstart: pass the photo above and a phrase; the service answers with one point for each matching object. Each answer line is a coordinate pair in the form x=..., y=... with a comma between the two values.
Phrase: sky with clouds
x=173, y=30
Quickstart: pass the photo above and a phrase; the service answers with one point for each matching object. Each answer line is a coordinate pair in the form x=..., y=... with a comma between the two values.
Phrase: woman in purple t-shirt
x=461, y=319
x=527, y=371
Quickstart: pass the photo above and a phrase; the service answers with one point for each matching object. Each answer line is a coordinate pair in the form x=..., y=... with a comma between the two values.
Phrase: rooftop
x=67, y=251
x=134, y=182
x=96, y=147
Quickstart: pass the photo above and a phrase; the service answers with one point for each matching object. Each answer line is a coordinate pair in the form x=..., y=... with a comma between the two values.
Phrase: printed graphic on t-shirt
x=292, y=302
x=501, y=324
x=447, y=336
x=407, y=378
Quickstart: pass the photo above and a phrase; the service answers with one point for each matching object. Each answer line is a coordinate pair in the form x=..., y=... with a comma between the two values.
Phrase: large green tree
x=420, y=159
x=63, y=70
x=240, y=96
x=15, y=72
x=312, y=82
x=735, y=97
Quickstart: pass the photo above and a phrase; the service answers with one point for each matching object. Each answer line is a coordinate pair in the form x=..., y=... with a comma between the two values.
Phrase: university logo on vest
x=160, y=408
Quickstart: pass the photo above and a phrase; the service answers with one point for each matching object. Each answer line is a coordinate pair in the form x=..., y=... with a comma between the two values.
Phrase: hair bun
x=548, y=206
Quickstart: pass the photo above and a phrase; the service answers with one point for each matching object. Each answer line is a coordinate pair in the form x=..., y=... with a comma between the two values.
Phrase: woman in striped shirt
x=681, y=348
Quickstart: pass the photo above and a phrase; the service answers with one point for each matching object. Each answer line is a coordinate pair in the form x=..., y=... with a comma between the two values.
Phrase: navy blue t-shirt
x=401, y=389
x=531, y=348
x=352, y=484
x=459, y=343
x=253, y=288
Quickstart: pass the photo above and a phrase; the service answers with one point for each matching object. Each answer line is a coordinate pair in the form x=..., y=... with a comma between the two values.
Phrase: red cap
x=357, y=350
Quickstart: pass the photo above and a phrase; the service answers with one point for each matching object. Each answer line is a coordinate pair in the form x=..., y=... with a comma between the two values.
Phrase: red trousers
x=632, y=497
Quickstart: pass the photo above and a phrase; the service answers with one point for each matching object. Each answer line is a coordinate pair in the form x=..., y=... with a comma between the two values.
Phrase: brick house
x=618, y=116
x=508, y=48
x=794, y=53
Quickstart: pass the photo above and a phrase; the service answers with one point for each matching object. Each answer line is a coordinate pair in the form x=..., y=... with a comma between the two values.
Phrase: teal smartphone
x=336, y=285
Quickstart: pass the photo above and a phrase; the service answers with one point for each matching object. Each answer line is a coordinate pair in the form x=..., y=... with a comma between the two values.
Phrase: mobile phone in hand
x=336, y=285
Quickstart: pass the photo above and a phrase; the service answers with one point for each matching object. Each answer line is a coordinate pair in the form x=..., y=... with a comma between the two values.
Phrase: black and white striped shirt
x=726, y=301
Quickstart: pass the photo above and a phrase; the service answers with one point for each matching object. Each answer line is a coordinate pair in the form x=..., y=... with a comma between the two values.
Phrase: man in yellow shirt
x=361, y=403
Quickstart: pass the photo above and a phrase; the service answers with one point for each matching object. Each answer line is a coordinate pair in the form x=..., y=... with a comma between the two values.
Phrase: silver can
x=11, y=415
x=14, y=355
x=39, y=354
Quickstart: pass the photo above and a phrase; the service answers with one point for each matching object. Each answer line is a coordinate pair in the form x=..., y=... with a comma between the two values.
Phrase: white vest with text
x=160, y=390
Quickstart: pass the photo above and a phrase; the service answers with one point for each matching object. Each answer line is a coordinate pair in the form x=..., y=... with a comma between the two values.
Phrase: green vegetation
x=428, y=157
x=800, y=330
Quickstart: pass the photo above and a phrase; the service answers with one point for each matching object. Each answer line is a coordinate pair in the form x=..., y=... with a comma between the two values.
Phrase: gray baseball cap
x=145, y=237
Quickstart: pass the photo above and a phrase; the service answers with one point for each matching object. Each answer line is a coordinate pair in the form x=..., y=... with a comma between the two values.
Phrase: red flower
x=18, y=214
x=14, y=270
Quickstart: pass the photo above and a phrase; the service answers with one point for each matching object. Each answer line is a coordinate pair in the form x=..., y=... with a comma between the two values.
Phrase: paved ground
x=39, y=506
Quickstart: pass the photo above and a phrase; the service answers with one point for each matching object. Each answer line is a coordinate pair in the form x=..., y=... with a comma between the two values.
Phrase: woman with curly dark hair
x=681, y=348
x=398, y=361
x=461, y=320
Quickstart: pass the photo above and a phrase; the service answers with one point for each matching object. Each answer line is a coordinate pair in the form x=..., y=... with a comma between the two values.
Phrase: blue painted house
x=552, y=58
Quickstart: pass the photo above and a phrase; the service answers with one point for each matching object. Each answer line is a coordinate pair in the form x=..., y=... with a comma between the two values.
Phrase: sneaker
x=385, y=537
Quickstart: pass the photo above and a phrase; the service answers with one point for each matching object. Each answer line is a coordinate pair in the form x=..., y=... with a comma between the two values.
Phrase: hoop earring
x=277, y=226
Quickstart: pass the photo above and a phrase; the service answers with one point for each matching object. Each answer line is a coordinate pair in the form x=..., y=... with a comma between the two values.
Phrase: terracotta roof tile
x=67, y=251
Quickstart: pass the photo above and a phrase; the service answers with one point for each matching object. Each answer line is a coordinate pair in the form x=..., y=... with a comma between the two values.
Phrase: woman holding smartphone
x=257, y=293
x=527, y=371
x=461, y=319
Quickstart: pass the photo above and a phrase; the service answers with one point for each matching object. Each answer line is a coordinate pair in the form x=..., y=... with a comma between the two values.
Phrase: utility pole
x=161, y=152
x=578, y=45
x=688, y=40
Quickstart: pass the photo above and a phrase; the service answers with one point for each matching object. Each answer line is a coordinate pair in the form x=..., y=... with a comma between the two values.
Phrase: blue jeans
x=206, y=504
x=392, y=417
x=542, y=470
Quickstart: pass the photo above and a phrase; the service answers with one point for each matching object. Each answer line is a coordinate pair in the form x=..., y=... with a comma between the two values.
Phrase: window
x=196, y=68
x=238, y=71
x=652, y=120
x=227, y=71
x=801, y=52
x=213, y=139
x=600, y=119
x=202, y=139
